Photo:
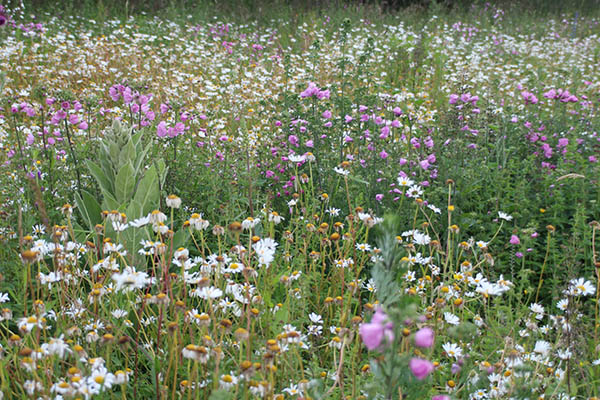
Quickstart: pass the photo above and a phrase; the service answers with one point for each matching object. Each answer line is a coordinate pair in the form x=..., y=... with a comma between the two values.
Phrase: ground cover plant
x=350, y=202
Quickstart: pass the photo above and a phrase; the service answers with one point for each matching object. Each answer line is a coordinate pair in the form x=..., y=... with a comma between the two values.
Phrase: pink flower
x=311, y=90
x=550, y=94
x=529, y=97
x=420, y=368
x=161, y=129
x=441, y=397
x=514, y=239
x=424, y=337
x=373, y=333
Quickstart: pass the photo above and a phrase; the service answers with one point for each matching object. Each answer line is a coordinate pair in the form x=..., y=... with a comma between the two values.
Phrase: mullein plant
x=129, y=188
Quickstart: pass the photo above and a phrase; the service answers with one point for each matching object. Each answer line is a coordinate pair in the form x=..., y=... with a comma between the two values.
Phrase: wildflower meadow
x=280, y=200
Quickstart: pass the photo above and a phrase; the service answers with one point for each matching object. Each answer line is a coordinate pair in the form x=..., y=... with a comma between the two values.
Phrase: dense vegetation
x=364, y=201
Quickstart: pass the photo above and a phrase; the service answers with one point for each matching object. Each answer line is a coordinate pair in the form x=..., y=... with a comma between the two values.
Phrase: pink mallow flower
x=529, y=97
x=420, y=368
x=424, y=337
x=373, y=333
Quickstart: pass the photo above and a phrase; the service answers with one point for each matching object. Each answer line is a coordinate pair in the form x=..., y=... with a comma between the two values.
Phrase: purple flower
x=420, y=368
x=514, y=239
x=161, y=129
x=373, y=333
x=311, y=90
x=293, y=139
x=424, y=337
x=529, y=97
x=455, y=369
x=441, y=397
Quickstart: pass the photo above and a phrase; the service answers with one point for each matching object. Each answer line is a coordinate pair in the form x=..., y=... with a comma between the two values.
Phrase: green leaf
x=109, y=202
x=127, y=153
x=89, y=208
x=134, y=210
x=114, y=151
x=107, y=168
x=180, y=238
x=147, y=191
x=105, y=185
x=125, y=183
x=141, y=157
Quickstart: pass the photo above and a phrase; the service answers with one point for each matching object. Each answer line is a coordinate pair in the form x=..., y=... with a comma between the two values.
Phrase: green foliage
x=126, y=184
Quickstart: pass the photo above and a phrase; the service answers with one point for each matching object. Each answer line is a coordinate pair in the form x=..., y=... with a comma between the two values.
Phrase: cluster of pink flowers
x=139, y=104
x=563, y=95
x=63, y=112
x=179, y=128
x=379, y=333
x=313, y=91
x=529, y=97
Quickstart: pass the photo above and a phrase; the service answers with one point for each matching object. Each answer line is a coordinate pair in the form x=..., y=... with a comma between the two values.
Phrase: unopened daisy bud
x=173, y=201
